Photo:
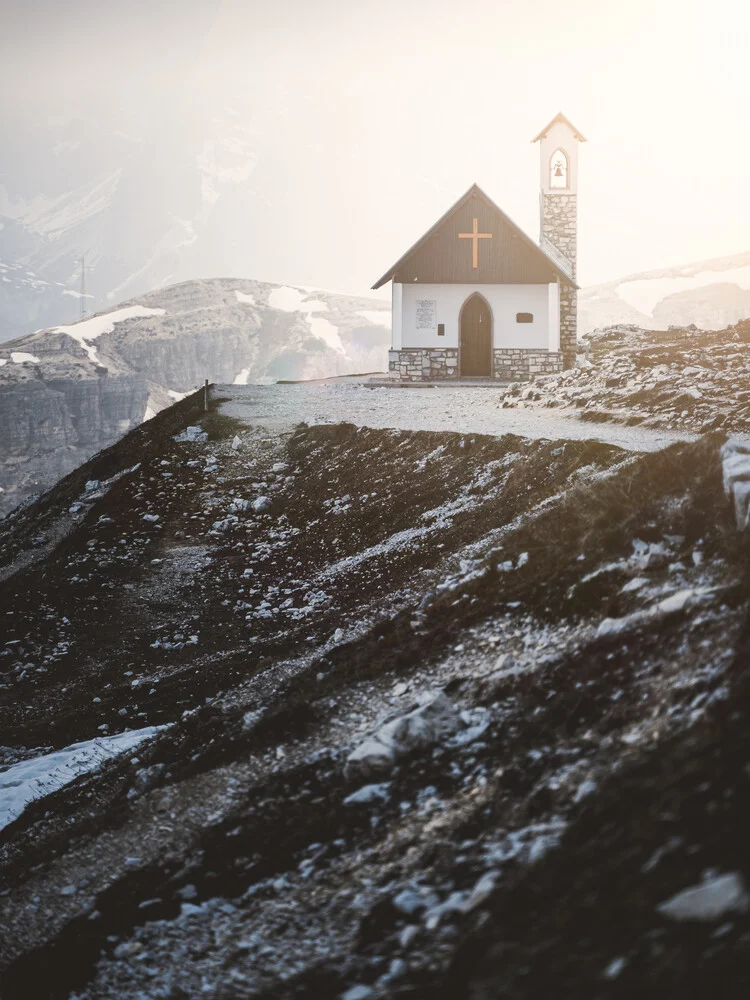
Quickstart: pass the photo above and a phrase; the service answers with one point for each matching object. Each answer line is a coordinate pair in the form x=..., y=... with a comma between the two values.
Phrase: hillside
x=68, y=391
x=711, y=294
x=383, y=714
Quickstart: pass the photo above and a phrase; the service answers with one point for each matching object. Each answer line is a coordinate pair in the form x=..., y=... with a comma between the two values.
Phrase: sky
x=354, y=125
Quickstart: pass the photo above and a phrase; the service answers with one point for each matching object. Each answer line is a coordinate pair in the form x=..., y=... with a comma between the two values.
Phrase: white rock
x=736, y=475
x=260, y=504
x=481, y=891
x=368, y=794
x=682, y=600
x=236, y=442
x=358, y=993
x=195, y=435
x=436, y=720
x=711, y=900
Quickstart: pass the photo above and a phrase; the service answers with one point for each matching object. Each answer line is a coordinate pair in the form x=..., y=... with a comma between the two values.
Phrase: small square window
x=524, y=317
x=441, y=329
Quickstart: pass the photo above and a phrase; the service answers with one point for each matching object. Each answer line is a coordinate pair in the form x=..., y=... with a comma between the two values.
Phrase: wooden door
x=476, y=337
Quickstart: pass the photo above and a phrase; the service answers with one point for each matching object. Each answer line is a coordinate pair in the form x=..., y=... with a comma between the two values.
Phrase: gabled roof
x=474, y=190
x=560, y=118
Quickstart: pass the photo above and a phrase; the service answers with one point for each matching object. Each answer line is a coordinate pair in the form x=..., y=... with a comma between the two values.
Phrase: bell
x=558, y=170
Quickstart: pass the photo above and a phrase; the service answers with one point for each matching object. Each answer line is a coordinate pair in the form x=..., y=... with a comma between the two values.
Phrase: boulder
x=435, y=720
x=735, y=457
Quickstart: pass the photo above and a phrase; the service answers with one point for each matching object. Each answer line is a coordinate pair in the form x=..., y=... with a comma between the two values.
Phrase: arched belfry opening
x=475, y=340
x=558, y=169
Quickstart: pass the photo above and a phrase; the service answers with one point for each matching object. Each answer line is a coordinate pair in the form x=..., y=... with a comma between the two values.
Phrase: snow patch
x=242, y=377
x=91, y=329
x=378, y=317
x=175, y=395
x=292, y=300
x=327, y=332
x=247, y=300
x=34, y=779
x=21, y=357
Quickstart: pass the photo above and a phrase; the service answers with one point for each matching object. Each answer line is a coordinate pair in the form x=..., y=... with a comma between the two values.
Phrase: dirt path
x=467, y=410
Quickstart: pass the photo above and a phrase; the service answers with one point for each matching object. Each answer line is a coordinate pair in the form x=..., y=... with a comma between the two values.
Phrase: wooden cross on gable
x=475, y=236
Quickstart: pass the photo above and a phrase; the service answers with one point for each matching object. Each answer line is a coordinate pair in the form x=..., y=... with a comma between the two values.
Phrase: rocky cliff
x=68, y=391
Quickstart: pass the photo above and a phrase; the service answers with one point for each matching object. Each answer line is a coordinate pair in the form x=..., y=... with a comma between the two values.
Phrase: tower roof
x=560, y=117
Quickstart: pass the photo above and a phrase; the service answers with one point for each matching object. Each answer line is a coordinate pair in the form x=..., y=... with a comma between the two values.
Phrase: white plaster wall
x=504, y=301
x=396, y=312
x=554, y=317
x=559, y=137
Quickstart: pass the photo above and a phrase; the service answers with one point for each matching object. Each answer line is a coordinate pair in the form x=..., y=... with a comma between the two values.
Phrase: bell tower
x=558, y=204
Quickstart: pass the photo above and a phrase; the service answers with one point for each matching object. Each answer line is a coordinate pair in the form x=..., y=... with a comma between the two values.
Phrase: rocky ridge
x=403, y=754
x=688, y=378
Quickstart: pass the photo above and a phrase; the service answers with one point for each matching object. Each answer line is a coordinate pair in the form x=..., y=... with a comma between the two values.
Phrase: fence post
x=205, y=395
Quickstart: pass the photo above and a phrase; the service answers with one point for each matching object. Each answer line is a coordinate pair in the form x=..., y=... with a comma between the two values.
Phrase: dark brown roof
x=561, y=118
x=554, y=265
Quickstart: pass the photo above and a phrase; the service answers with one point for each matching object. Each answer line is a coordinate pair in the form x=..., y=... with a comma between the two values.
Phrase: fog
x=312, y=142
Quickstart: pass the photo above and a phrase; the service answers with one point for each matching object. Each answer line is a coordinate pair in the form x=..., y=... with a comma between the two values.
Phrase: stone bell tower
x=558, y=203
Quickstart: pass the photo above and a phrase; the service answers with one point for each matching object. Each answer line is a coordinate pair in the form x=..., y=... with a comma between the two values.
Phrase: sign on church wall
x=426, y=314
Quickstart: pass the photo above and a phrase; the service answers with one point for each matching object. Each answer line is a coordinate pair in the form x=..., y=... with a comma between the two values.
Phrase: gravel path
x=467, y=410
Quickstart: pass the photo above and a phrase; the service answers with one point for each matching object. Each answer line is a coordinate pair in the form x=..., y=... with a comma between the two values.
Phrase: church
x=476, y=298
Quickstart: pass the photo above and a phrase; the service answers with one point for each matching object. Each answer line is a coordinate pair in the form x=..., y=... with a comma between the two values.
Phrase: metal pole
x=205, y=395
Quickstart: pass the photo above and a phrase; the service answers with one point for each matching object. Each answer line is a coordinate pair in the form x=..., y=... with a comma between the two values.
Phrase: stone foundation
x=511, y=364
x=414, y=364
x=518, y=364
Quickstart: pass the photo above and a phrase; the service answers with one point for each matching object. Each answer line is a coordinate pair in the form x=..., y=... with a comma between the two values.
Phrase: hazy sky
x=368, y=119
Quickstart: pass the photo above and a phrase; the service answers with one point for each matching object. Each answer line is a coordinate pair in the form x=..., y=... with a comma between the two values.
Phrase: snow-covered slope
x=712, y=294
x=67, y=391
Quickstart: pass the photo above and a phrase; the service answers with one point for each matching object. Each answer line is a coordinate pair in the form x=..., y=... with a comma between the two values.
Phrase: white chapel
x=475, y=297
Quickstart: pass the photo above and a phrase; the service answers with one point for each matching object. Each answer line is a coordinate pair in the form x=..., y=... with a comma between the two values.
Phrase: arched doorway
x=475, y=341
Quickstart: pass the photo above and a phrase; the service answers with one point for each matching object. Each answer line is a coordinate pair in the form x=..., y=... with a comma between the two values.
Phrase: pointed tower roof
x=560, y=117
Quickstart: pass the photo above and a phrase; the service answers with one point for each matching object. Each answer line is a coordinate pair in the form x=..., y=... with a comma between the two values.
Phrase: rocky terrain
x=360, y=713
x=68, y=391
x=694, y=379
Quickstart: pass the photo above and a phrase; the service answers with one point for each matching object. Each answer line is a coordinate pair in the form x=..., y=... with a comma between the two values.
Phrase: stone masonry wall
x=417, y=363
x=521, y=364
x=511, y=364
x=559, y=224
x=568, y=324
x=560, y=228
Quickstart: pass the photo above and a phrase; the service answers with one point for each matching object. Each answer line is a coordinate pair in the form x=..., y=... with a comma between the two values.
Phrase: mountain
x=67, y=391
x=147, y=208
x=711, y=294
